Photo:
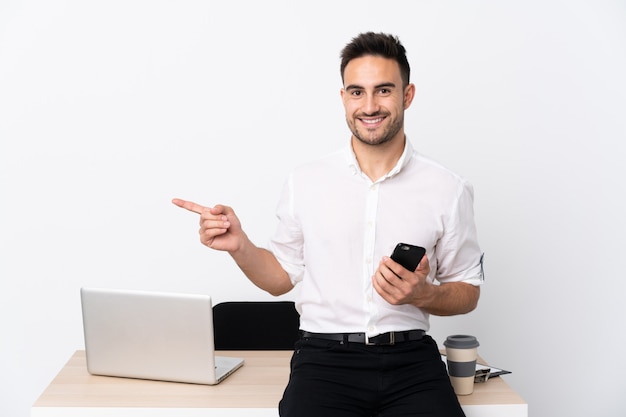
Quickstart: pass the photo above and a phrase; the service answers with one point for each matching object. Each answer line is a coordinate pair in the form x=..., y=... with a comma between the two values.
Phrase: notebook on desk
x=152, y=335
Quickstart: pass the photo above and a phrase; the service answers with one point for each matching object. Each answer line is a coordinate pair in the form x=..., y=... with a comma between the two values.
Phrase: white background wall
x=109, y=109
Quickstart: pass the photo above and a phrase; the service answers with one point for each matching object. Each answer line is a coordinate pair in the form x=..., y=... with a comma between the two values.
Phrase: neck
x=377, y=160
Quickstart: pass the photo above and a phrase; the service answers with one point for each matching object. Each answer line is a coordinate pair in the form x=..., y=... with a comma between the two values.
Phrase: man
x=364, y=351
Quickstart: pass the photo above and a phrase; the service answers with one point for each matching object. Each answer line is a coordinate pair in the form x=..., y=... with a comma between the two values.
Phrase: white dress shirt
x=335, y=225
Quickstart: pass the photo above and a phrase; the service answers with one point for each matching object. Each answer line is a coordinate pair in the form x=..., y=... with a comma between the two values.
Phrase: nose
x=370, y=105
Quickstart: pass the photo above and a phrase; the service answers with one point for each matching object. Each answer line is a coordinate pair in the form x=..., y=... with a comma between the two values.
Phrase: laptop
x=152, y=335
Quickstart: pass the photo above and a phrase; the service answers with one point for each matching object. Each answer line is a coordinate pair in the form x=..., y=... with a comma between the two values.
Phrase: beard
x=379, y=135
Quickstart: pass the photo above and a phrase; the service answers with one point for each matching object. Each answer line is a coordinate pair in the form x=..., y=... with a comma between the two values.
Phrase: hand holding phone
x=407, y=255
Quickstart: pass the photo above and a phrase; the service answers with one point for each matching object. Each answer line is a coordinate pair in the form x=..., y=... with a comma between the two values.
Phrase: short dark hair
x=377, y=44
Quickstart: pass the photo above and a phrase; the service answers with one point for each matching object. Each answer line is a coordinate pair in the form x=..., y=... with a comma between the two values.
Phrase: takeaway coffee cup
x=461, y=353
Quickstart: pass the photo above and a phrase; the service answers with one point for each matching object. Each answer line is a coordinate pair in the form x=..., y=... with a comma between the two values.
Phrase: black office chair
x=255, y=325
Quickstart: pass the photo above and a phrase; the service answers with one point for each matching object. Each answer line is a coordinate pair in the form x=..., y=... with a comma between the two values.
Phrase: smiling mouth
x=372, y=122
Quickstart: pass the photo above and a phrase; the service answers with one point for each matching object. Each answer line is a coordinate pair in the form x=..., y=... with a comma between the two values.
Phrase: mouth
x=371, y=121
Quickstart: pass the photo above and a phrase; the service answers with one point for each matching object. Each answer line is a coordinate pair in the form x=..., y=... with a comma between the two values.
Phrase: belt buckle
x=392, y=340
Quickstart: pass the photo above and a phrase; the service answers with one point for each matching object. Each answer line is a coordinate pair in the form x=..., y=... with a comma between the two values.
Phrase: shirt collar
x=354, y=167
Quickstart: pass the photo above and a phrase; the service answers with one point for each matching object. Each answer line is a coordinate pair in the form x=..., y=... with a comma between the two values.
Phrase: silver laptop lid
x=150, y=335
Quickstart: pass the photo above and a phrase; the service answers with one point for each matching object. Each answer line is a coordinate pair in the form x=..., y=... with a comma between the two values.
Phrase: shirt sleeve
x=287, y=245
x=459, y=258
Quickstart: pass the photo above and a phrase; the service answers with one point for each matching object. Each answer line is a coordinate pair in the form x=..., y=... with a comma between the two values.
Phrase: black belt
x=381, y=339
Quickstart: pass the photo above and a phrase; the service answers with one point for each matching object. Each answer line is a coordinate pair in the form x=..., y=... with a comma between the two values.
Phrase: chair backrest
x=256, y=325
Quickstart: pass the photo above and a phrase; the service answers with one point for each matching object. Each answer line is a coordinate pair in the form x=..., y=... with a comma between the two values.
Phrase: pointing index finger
x=189, y=205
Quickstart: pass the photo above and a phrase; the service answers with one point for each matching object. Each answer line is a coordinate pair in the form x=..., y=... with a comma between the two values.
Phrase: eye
x=356, y=93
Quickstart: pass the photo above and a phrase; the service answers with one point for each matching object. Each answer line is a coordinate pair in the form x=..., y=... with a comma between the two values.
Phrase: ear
x=409, y=94
x=344, y=97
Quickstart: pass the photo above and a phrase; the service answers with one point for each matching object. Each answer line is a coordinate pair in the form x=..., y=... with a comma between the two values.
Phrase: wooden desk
x=253, y=390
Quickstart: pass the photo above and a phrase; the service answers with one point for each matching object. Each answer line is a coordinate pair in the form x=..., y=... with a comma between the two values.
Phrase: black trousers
x=336, y=379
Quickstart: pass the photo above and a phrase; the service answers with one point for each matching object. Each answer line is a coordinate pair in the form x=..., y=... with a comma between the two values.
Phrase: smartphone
x=407, y=255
